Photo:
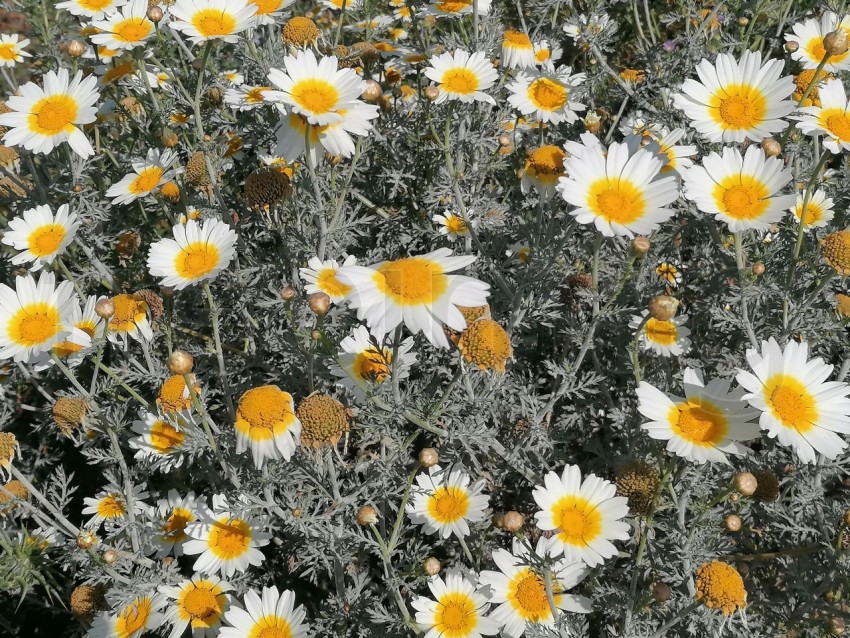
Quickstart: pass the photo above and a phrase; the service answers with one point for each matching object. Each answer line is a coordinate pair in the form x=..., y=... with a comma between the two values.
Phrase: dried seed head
x=720, y=586
x=105, y=308
x=746, y=483
x=169, y=138
x=428, y=457
x=771, y=147
x=733, y=523
x=13, y=490
x=69, y=413
x=661, y=592
x=319, y=303
x=153, y=301
x=372, y=92
x=323, y=420
x=836, y=251
x=366, y=51
x=835, y=42
x=8, y=446
x=513, y=521
x=768, y=485
x=638, y=481
x=640, y=246
x=367, y=515
x=299, y=32
x=288, y=293
x=265, y=187
x=86, y=539
x=86, y=601
x=431, y=566
x=180, y=362
x=485, y=344
x=128, y=245
x=663, y=307
x=196, y=170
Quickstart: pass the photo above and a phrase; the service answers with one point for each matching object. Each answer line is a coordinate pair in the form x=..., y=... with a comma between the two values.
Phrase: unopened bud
x=319, y=303
x=431, y=566
x=429, y=457
x=743, y=568
x=431, y=93
x=296, y=512
x=315, y=335
x=169, y=139
x=758, y=268
x=367, y=515
x=76, y=48
x=640, y=246
x=746, y=483
x=372, y=92
x=166, y=292
x=791, y=47
x=504, y=140
x=836, y=626
x=835, y=42
x=110, y=556
x=663, y=307
x=288, y=293
x=732, y=523
x=743, y=21
x=513, y=521
x=155, y=14
x=168, y=561
x=662, y=592
x=180, y=362
x=771, y=147
x=105, y=308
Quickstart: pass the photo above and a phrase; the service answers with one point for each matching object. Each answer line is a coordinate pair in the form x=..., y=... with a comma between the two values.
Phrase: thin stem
x=550, y=594
x=675, y=620
x=199, y=127
x=389, y=573
x=401, y=508
x=742, y=278
x=319, y=216
x=43, y=500
x=120, y=382
x=128, y=486
x=219, y=353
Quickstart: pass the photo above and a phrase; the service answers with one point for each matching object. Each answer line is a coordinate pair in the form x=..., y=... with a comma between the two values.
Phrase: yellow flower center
x=738, y=106
x=94, y=5
x=527, y=595
x=213, y=22
x=546, y=163
x=661, y=332
x=547, y=94
x=8, y=51
x=229, y=538
x=271, y=627
x=517, y=40
x=720, y=586
x=133, y=619
x=372, y=365
x=814, y=213
x=201, y=603
x=459, y=80
x=542, y=55
x=452, y=6
x=698, y=421
x=578, y=520
x=455, y=225
x=456, y=615
x=791, y=403
x=174, y=396
x=34, y=324
x=132, y=30
x=837, y=122
x=264, y=413
x=66, y=348
x=45, y=240
x=742, y=196
x=448, y=504
x=616, y=200
x=264, y=7
x=412, y=281
x=165, y=437
x=327, y=282
x=118, y=71
x=196, y=260
x=111, y=506
x=174, y=528
x=255, y=94
x=315, y=96
x=147, y=180
x=129, y=311
x=53, y=115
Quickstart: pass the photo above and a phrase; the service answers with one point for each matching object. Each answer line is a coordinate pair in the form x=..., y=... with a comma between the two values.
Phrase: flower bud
x=640, y=246
x=771, y=147
x=105, y=308
x=429, y=457
x=315, y=335
x=155, y=14
x=166, y=292
x=168, y=561
x=758, y=268
x=504, y=140
x=296, y=512
x=661, y=592
x=663, y=307
x=367, y=515
x=791, y=47
x=288, y=293
x=169, y=138
x=109, y=556
x=836, y=626
x=746, y=483
x=743, y=21
x=733, y=523
x=431, y=93
x=372, y=91
x=75, y=48
x=835, y=42
x=513, y=521
x=431, y=566
x=180, y=362
x=319, y=303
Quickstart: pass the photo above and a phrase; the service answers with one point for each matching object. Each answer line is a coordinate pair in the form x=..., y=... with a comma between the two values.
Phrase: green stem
x=199, y=127
x=742, y=278
x=219, y=352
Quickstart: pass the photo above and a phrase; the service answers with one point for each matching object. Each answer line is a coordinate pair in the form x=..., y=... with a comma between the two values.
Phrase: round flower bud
x=743, y=21
x=155, y=14
x=109, y=556
x=431, y=93
x=105, y=308
x=169, y=138
x=168, y=560
x=288, y=293
x=76, y=48
x=663, y=307
x=758, y=268
x=315, y=335
x=661, y=592
x=429, y=457
x=733, y=523
x=746, y=483
x=87, y=539
x=771, y=147
x=180, y=362
x=836, y=624
x=372, y=92
x=835, y=42
x=319, y=303
x=504, y=140
x=431, y=566
x=640, y=246
x=791, y=47
x=297, y=512
x=367, y=515
x=513, y=521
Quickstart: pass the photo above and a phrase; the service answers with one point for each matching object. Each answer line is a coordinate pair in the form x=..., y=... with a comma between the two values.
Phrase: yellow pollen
x=264, y=413
x=661, y=332
x=372, y=365
x=165, y=437
x=265, y=7
x=546, y=163
x=527, y=595
x=327, y=282
x=174, y=528
x=578, y=520
x=616, y=200
x=229, y=538
x=174, y=395
x=133, y=619
x=455, y=225
x=814, y=213
x=742, y=197
x=837, y=122
x=201, y=603
x=791, y=403
x=547, y=94
x=271, y=627
x=720, y=586
x=147, y=180
x=486, y=344
x=132, y=30
x=699, y=422
x=412, y=281
x=34, y=324
x=111, y=506
x=53, y=115
x=45, y=240
x=315, y=96
x=517, y=40
x=448, y=504
x=738, y=107
x=453, y=6
x=129, y=311
x=196, y=260
x=213, y=22
x=8, y=51
x=456, y=615
x=459, y=80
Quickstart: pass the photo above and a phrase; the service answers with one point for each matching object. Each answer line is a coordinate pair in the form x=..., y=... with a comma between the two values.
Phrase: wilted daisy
x=246, y=98
x=517, y=50
x=32, y=316
x=173, y=515
x=583, y=514
x=366, y=361
x=266, y=423
x=333, y=138
x=664, y=338
x=737, y=99
x=741, y=191
x=809, y=35
x=544, y=166
x=321, y=276
x=146, y=177
x=519, y=589
x=40, y=235
x=274, y=615
x=547, y=94
x=203, y=20
x=831, y=119
x=42, y=118
x=818, y=210
x=12, y=49
x=456, y=610
x=462, y=76
x=227, y=541
x=127, y=28
x=706, y=425
x=418, y=291
x=451, y=225
x=198, y=252
x=199, y=603
x=129, y=320
x=618, y=191
x=444, y=502
x=799, y=407
x=132, y=620
x=110, y=505
x=92, y=9
x=158, y=441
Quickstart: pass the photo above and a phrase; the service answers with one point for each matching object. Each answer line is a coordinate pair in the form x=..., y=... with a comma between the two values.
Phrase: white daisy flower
x=125, y=29
x=130, y=319
x=266, y=423
x=42, y=118
x=40, y=235
x=198, y=252
x=132, y=620
x=584, y=515
x=620, y=191
x=173, y=515
x=226, y=540
x=12, y=49
x=146, y=177
x=809, y=37
x=366, y=362
x=418, y=291
x=741, y=191
x=519, y=590
x=544, y=166
x=799, y=407
x=831, y=119
x=269, y=11
x=199, y=603
x=456, y=611
x=444, y=502
x=83, y=326
x=451, y=225
x=333, y=138
x=456, y=8
x=204, y=20
x=546, y=54
x=706, y=425
x=32, y=316
x=110, y=505
x=664, y=338
x=321, y=276
x=91, y=9
x=546, y=94
x=677, y=158
x=819, y=210
x=246, y=98
x=462, y=76
x=737, y=99
x=159, y=441
x=517, y=50
x=233, y=77
x=274, y=615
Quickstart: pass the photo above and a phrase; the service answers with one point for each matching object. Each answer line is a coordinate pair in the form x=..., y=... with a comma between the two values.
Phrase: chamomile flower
x=546, y=54
x=274, y=615
x=41, y=235
x=418, y=291
x=456, y=8
x=620, y=191
x=82, y=325
x=204, y=20
x=706, y=425
x=809, y=35
x=831, y=119
x=132, y=620
x=246, y=98
x=146, y=177
x=741, y=191
x=12, y=49
x=519, y=589
x=677, y=157
x=544, y=166
x=444, y=502
x=110, y=505
x=42, y=118
x=462, y=76
x=321, y=276
x=333, y=138
x=798, y=406
x=198, y=252
x=818, y=209
x=451, y=225
x=158, y=441
x=456, y=610
x=517, y=50
x=584, y=515
x=233, y=77
x=269, y=11
x=91, y=9
x=664, y=338
x=32, y=316
x=547, y=94
x=227, y=541
x=199, y=603
x=367, y=362
x=266, y=423
x=737, y=99
x=173, y=515
x=126, y=29
x=129, y=320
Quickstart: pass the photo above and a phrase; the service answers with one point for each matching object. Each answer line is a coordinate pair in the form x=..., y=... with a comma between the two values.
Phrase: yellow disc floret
x=323, y=420
x=486, y=344
x=720, y=586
